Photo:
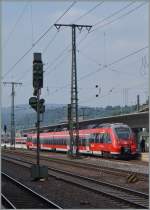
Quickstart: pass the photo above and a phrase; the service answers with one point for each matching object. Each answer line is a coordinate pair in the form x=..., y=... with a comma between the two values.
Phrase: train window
x=65, y=141
x=97, y=138
x=123, y=133
x=34, y=140
x=60, y=141
x=42, y=141
x=47, y=141
x=55, y=141
x=80, y=141
x=92, y=138
x=106, y=138
x=101, y=138
x=29, y=139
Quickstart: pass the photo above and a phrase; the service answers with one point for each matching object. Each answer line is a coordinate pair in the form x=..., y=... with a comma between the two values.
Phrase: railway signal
x=37, y=71
x=37, y=104
x=41, y=106
x=33, y=103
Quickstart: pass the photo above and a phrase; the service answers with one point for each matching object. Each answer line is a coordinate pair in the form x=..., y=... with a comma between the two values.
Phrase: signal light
x=41, y=106
x=38, y=75
x=33, y=104
x=37, y=71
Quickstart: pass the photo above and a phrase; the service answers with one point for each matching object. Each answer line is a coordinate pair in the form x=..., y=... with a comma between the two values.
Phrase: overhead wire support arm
x=74, y=115
x=79, y=26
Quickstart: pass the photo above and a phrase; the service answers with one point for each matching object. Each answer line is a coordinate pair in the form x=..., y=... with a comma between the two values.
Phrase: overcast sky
x=121, y=35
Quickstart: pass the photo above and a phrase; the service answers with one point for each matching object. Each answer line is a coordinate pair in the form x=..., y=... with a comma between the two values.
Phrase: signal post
x=38, y=171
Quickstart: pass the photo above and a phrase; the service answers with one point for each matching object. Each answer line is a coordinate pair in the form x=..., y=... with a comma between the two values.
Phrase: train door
x=95, y=145
x=107, y=149
x=87, y=143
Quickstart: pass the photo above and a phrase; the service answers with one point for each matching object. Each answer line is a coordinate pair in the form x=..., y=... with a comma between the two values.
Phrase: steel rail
x=132, y=197
x=25, y=194
x=7, y=203
x=95, y=167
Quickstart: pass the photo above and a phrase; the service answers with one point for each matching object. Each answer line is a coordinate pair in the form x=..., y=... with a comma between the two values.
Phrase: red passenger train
x=107, y=140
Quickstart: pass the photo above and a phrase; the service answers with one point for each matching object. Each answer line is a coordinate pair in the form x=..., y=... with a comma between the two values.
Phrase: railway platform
x=145, y=157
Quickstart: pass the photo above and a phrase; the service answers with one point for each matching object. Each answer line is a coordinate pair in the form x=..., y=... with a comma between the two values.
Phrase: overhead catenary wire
x=121, y=16
x=53, y=68
x=114, y=62
x=91, y=73
x=15, y=25
x=110, y=22
x=31, y=17
x=104, y=67
x=54, y=37
x=51, y=41
x=38, y=40
x=89, y=11
x=88, y=57
x=113, y=14
x=80, y=17
x=111, y=91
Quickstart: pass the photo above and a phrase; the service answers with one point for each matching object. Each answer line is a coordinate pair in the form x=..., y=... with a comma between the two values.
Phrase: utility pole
x=138, y=103
x=74, y=118
x=13, y=84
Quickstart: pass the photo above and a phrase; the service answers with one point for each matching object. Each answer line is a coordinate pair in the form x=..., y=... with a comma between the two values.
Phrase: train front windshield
x=123, y=133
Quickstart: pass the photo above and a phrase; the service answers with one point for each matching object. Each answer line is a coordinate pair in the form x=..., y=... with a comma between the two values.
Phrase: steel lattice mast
x=74, y=119
x=13, y=132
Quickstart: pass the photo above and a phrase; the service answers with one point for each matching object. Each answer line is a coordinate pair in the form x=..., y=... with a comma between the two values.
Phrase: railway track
x=78, y=164
x=17, y=196
x=6, y=203
x=126, y=196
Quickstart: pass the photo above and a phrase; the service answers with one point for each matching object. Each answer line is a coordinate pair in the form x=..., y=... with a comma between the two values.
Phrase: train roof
x=110, y=125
